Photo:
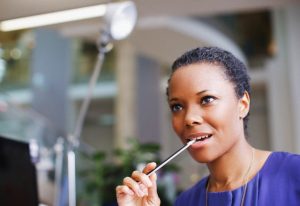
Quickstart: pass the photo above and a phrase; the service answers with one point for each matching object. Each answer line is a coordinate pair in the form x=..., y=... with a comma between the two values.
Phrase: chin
x=200, y=158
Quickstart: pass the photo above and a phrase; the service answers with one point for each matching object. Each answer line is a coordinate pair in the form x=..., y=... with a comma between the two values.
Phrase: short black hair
x=234, y=69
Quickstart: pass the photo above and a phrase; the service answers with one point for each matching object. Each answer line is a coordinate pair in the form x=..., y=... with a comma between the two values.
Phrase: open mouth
x=201, y=138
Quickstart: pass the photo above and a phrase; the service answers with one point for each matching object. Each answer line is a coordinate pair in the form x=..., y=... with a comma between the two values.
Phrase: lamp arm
x=104, y=45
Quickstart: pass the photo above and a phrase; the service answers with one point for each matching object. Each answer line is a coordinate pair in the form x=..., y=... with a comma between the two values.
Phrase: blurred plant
x=100, y=176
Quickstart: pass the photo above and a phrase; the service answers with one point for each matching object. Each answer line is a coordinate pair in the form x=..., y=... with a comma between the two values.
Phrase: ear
x=244, y=105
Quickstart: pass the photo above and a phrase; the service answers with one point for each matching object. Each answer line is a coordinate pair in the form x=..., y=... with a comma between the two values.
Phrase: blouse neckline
x=260, y=171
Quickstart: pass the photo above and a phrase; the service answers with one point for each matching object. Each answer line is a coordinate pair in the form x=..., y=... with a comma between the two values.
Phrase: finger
x=144, y=189
x=133, y=185
x=149, y=167
x=123, y=190
x=152, y=191
x=142, y=178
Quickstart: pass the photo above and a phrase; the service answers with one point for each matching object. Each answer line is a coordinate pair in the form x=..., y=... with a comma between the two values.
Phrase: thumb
x=149, y=167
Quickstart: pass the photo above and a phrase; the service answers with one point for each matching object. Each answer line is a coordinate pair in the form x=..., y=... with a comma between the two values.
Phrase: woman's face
x=204, y=106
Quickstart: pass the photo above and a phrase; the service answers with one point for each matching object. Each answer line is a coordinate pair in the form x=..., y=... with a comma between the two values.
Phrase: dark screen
x=18, y=185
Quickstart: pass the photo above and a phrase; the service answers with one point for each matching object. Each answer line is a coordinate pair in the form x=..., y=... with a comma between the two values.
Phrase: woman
x=209, y=97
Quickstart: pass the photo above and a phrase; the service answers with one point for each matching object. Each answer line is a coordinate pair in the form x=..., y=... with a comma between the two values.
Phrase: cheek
x=177, y=125
x=225, y=119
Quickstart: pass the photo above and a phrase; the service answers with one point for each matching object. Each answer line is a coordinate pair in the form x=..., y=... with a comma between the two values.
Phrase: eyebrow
x=198, y=93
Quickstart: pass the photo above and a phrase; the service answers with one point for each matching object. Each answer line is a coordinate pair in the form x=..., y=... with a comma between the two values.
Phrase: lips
x=198, y=138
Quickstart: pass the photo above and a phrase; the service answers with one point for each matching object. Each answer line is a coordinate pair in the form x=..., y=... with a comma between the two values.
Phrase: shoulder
x=291, y=162
x=284, y=163
x=286, y=159
x=280, y=177
x=192, y=195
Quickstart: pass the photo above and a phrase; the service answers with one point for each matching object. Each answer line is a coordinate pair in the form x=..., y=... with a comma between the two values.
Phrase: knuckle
x=134, y=173
x=135, y=187
x=126, y=180
x=118, y=188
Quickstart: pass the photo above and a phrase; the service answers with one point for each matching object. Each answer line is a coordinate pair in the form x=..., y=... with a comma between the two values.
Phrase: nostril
x=193, y=117
x=193, y=123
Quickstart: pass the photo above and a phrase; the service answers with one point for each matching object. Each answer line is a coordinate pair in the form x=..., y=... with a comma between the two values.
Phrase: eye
x=207, y=100
x=175, y=107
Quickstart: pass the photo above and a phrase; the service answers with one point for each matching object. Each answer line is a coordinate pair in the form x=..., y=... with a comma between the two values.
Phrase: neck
x=232, y=169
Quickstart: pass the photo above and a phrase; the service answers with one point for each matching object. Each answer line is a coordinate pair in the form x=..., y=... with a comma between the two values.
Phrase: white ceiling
x=19, y=8
x=161, y=42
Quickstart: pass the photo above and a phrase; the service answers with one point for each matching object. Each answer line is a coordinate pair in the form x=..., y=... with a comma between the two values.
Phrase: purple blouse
x=276, y=184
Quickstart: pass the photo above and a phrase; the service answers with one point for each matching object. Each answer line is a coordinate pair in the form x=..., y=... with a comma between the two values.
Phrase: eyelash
x=206, y=100
x=174, y=107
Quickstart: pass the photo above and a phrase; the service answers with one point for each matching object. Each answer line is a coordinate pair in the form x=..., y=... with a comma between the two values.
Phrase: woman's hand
x=139, y=189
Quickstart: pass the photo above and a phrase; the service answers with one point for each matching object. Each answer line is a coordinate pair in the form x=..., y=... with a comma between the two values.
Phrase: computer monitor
x=18, y=180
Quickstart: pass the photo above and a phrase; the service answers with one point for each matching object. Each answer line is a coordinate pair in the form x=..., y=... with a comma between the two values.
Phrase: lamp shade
x=121, y=18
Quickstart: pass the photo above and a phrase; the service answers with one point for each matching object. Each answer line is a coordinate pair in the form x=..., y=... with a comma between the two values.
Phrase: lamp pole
x=104, y=45
x=120, y=21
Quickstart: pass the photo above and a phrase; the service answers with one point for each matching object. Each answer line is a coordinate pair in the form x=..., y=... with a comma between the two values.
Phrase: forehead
x=199, y=76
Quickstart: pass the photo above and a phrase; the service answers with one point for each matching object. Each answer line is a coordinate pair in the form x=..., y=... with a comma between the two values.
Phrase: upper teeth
x=202, y=137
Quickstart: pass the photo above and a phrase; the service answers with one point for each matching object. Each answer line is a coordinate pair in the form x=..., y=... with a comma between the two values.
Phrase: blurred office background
x=44, y=73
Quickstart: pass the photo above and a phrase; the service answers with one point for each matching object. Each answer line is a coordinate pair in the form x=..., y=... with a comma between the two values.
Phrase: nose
x=193, y=117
